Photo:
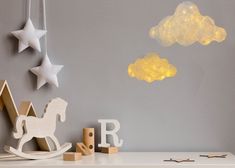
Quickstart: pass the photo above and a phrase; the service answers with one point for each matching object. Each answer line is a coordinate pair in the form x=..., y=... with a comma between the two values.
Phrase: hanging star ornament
x=46, y=73
x=29, y=37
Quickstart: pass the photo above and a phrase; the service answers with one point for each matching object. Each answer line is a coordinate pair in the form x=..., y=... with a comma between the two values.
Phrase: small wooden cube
x=72, y=156
x=80, y=147
x=109, y=150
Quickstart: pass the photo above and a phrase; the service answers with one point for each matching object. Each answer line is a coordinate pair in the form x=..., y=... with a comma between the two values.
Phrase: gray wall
x=96, y=40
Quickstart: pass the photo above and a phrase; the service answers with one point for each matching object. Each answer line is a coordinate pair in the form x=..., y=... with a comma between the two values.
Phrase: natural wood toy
x=89, y=138
x=26, y=108
x=72, y=156
x=109, y=150
x=179, y=160
x=214, y=156
x=80, y=147
x=28, y=127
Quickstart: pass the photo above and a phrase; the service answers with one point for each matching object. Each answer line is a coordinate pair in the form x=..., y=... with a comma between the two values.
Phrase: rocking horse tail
x=18, y=133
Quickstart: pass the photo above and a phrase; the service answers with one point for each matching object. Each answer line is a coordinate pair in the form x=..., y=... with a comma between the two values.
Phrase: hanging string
x=29, y=9
x=44, y=24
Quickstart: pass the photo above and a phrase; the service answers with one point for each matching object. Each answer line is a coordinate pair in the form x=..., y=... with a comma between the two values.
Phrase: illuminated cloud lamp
x=186, y=27
x=151, y=68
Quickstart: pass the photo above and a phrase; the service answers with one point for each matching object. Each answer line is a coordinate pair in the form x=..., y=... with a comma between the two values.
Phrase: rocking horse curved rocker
x=27, y=127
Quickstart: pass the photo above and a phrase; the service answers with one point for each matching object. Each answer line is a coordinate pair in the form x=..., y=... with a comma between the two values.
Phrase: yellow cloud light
x=151, y=68
x=187, y=26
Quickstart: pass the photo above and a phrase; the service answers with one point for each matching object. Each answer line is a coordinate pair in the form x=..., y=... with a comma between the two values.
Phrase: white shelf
x=127, y=159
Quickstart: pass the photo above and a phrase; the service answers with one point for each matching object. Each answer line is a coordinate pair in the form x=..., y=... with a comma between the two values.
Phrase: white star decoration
x=46, y=73
x=29, y=36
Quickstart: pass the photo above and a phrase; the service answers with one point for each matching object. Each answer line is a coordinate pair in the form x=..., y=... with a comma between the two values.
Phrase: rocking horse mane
x=56, y=104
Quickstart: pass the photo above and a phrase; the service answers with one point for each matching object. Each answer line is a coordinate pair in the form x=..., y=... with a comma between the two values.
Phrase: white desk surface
x=127, y=159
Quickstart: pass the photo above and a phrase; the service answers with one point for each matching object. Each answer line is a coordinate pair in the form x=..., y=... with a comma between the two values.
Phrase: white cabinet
x=126, y=160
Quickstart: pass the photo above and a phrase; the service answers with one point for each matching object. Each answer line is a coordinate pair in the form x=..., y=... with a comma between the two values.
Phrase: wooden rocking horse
x=27, y=127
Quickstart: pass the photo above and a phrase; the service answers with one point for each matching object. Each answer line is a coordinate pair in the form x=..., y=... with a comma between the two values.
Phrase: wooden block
x=89, y=138
x=80, y=147
x=109, y=150
x=72, y=156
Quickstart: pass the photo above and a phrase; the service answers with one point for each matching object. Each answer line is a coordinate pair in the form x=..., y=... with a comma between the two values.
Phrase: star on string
x=46, y=73
x=29, y=37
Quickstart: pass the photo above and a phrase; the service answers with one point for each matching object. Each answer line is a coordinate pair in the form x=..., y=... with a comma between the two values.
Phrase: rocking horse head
x=56, y=106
